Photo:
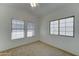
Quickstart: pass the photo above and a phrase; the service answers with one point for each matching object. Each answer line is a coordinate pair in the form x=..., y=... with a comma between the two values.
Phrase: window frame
x=12, y=29
x=59, y=26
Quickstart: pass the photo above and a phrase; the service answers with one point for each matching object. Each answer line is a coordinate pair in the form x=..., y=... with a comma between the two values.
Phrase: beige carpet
x=35, y=49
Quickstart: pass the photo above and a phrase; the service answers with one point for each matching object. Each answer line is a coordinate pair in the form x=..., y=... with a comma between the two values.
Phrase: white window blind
x=63, y=26
x=66, y=26
x=54, y=27
x=30, y=30
x=17, y=29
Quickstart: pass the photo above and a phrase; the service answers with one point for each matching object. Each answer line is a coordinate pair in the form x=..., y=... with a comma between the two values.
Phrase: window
x=64, y=26
x=30, y=30
x=17, y=29
x=54, y=27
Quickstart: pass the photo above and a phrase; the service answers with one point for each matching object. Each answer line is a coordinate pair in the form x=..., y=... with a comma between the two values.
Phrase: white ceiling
x=40, y=11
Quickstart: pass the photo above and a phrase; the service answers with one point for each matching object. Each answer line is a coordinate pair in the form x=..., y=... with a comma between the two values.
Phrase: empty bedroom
x=39, y=29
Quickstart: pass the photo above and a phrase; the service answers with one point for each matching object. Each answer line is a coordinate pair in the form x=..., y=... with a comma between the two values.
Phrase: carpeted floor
x=35, y=49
